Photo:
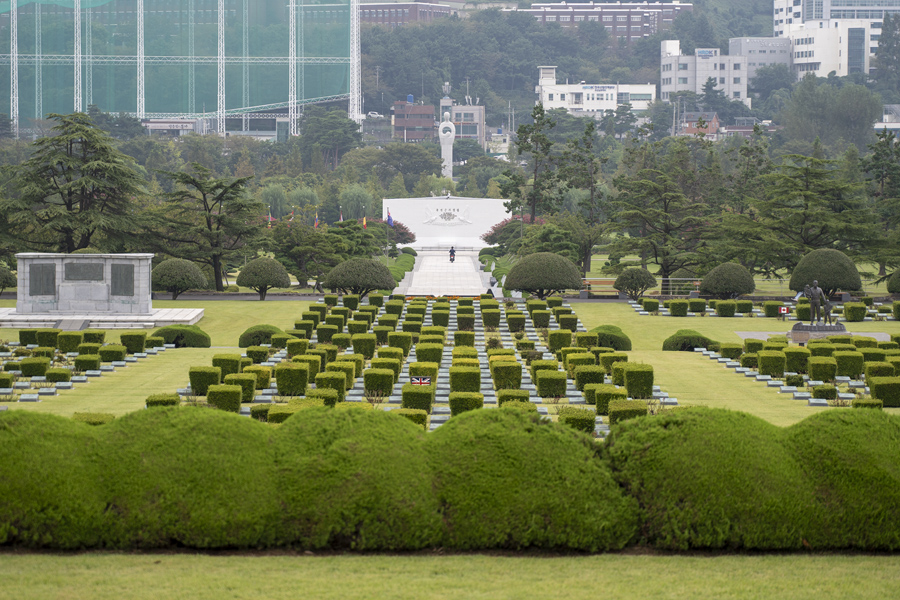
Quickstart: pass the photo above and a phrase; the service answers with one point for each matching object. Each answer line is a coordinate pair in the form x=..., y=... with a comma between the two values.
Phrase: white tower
x=446, y=135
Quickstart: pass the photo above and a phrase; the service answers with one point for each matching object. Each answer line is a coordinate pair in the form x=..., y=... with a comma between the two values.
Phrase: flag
x=292, y=216
x=390, y=221
x=316, y=224
x=342, y=216
x=420, y=380
x=364, y=222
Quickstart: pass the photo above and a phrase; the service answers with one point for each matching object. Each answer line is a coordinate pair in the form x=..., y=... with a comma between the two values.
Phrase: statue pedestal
x=801, y=333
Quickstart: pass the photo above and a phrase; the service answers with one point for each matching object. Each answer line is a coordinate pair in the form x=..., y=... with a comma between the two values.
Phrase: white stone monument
x=446, y=135
x=84, y=283
x=448, y=220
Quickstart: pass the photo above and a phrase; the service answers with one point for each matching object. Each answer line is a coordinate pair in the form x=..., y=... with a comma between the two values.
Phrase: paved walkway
x=435, y=275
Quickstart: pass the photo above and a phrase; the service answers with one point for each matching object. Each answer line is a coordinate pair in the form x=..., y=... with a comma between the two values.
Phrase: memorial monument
x=801, y=332
x=447, y=135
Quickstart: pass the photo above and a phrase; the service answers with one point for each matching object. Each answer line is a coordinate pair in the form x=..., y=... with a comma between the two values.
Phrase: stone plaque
x=84, y=271
x=42, y=279
x=122, y=280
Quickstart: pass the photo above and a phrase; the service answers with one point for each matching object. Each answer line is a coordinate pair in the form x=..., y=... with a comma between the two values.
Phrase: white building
x=591, y=100
x=761, y=52
x=689, y=73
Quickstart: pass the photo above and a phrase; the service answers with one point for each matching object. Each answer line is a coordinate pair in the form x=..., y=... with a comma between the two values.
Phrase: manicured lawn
x=98, y=576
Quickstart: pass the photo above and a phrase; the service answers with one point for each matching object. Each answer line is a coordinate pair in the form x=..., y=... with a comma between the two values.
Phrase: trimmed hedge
x=504, y=396
x=395, y=365
x=771, y=308
x=731, y=351
x=112, y=352
x=796, y=358
x=380, y=381
x=47, y=337
x=417, y=396
x=678, y=308
x=68, y=341
x=157, y=400
x=855, y=312
x=348, y=368
x=332, y=380
x=551, y=384
x=607, y=359
x=225, y=397
x=258, y=354
x=202, y=378
x=247, y=383
x=604, y=394
x=465, y=379
x=771, y=362
x=611, y=336
x=429, y=352
x=402, y=340
x=461, y=402
x=134, y=342
x=821, y=349
x=867, y=403
x=86, y=362
x=580, y=419
x=257, y=335
x=365, y=344
x=296, y=347
x=650, y=304
x=886, y=389
x=822, y=368
x=416, y=416
x=55, y=375
x=638, y=380
x=507, y=375
x=229, y=363
x=726, y=308
x=587, y=374
x=541, y=318
x=685, y=340
x=34, y=366
x=464, y=338
x=824, y=392
x=560, y=338
x=292, y=378
x=849, y=364
x=622, y=410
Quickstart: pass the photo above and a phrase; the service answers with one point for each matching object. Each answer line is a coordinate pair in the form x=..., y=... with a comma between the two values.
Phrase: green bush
x=855, y=312
x=518, y=405
x=504, y=396
x=771, y=308
x=461, y=402
x=429, y=352
x=338, y=320
x=634, y=281
x=542, y=365
x=822, y=368
x=611, y=336
x=465, y=322
x=823, y=349
x=376, y=299
x=391, y=352
x=541, y=318
x=55, y=375
x=156, y=400
x=417, y=396
x=441, y=317
x=515, y=321
x=621, y=410
x=465, y=379
x=794, y=380
x=228, y=363
x=379, y=381
x=394, y=307
x=697, y=305
x=400, y=339
x=306, y=326
x=685, y=340
x=731, y=351
x=587, y=374
x=388, y=321
x=726, y=308
x=864, y=342
x=365, y=343
x=202, y=378
x=849, y=364
x=247, y=383
x=280, y=340
x=569, y=322
x=464, y=338
x=225, y=397
x=639, y=380
x=527, y=511
x=744, y=306
x=320, y=397
x=133, y=342
x=34, y=366
x=551, y=384
x=351, y=301
x=872, y=354
x=112, y=352
x=347, y=368
x=263, y=375
x=832, y=268
x=867, y=403
x=28, y=337
x=803, y=312
x=750, y=360
x=559, y=338
x=825, y=392
x=176, y=276
x=490, y=318
x=728, y=280
x=44, y=351
x=795, y=358
x=47, y=337
x=68, y=341
x=607, y=359
x=296, y=347
x=292, y=378
x=678, y=308
x=753, y=345
x=393, y=364
x=154, y=342
x=86, y=362
x=879, y=369
x=581, y=419
x=605, y=393
x=381, y=334
x=417, y=416
x=771, y=362
x=333, y=380
x=506, y=375
x=258, y=354
x=325, y=332
x=650, y=305
x=257, y=335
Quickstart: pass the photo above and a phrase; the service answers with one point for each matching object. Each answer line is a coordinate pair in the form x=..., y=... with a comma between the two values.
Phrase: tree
x=177, y=275
x=308, y=252
x=75, y=190
x=770, y=78
x=360, y=276
x=887, y=55
x=883, y=169
x=634, y=281
x=539, y=190
x=328, y=133
x=7, y=278
x=262, y=274
x=208, y=218
x=549, y=238
x=831, y=268
x=465, y=149
x=543, y=273
x=728, y=280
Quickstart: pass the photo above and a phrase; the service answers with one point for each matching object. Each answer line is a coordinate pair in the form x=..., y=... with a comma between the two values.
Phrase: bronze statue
x=816, y=297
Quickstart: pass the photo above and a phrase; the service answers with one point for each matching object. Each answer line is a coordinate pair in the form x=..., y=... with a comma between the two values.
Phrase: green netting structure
x=180, y=56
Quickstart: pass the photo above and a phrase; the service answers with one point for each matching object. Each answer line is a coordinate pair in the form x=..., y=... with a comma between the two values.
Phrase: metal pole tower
x=14, y=66
x=292, y=69
x=77, y=102
x=140, y=59
x=192, y=101
x=354, y=108
x=220, y=101
x=89, y=60
x=245, y=125
x=38, y=65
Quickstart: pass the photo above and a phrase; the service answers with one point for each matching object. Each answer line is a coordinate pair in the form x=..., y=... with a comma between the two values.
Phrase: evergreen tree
x=539, y=190
x=887, y=55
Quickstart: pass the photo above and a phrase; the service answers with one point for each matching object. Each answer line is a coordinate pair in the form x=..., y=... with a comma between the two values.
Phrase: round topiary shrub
x=831, y=268
x=262, y=274
x=359, y=276
x=182, y=336
x=515, y=501
x=543, y=273
x=728, y=280
x=176, y=275
x=258, y=335
x=612, y=336
x=685, y=340
x=634, y=281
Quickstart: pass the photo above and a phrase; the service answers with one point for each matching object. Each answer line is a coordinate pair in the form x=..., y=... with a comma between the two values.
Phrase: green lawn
x=100, y=576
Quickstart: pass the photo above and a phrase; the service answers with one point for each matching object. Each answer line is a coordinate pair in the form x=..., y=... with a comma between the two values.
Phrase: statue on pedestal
x=816, y=298
x=446, y=136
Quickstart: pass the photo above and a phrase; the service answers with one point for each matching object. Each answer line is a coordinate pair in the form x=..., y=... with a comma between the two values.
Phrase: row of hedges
x=500, y=479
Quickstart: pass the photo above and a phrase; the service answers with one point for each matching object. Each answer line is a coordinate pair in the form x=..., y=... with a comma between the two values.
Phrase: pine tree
x=887, y=55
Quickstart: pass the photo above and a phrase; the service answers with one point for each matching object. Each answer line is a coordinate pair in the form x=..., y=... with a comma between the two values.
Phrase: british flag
x=420, y=380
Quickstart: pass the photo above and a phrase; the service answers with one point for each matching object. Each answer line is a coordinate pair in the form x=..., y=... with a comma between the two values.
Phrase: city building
x=397, y=14
x=498, y=142
x=761, y=52
x=691, y=124
x=590, y=100
x=689, y=73
x=468, y=118
x=626, y=21
x=413, y=122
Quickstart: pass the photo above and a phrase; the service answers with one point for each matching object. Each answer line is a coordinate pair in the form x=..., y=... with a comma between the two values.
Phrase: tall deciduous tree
x=74, y=190
x=209, y=218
